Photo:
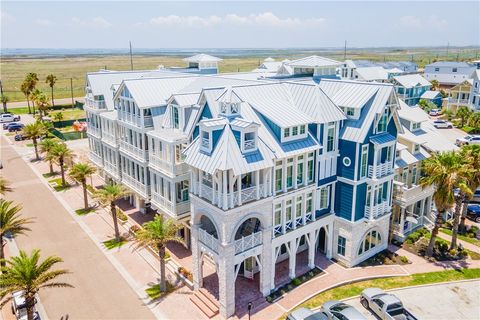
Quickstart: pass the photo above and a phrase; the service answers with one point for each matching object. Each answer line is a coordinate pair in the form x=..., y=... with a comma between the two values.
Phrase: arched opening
x=208, y=225
x=322, y=241
x=247, y=283
x=248, y=227
x=371, y=240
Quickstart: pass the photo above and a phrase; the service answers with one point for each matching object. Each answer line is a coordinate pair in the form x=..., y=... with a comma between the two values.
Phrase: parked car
x=19, y=309
x=473, y=139
x=20, y=137
x=434, y=112
x=306, y=314
x=8, y=117
x=473, y=212
x=6, y=125
x=442, y=124
x=476, y=196
x=15, y=127
x=386, y=306
x=337, y=310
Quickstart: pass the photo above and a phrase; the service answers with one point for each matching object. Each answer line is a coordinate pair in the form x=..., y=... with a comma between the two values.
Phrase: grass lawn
x=462, y=237
x=20, y=110
x=354, y=289
x=57, y=184
x=69, y=114
x=112, y=243
x=84, y=212
x=155, y=293
x=49, y=175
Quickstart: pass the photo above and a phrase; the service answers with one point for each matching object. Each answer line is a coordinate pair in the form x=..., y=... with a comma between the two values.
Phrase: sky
x=230, y=24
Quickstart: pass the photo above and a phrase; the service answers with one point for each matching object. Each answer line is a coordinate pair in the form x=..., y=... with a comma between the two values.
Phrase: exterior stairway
x=205, y=302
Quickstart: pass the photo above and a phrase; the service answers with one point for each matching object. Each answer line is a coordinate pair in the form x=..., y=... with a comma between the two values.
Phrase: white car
x=19, y=309
x=338, y=310
x=442, y=124
x=474, y=139
x=8, y=117
x=434, y=112
x=306, y=314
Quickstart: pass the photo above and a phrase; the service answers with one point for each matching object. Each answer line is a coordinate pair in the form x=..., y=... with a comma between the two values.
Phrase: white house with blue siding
x=448, y=73
x=411, y=87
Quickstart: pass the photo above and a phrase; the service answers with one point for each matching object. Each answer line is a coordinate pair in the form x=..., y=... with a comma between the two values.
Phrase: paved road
x=449, y=301
x=19, y=104
x=100, y=292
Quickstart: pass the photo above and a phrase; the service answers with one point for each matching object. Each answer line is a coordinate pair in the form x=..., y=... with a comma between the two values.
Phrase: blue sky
x=89, y=24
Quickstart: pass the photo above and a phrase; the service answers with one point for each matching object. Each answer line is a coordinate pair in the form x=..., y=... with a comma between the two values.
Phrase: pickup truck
x=386, y=306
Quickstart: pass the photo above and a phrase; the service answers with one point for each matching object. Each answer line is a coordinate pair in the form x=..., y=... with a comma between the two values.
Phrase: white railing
x=373, y=212
x=208, y=240
x=110, y=138
x=112, y=169
x=382, y=169
x=249, y=144
x=162, y=164
x=245, y=195
x=248, y=242
x=135, y=151
x=147, y=121
x=135, y=184
x=130, y=118
x=94, y=131
x=95, y=104
x=96, y=159
x=457, y=101
x=403, y=194
x=165, y=204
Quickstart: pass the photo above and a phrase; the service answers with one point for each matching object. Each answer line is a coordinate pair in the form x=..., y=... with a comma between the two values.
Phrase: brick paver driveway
x=100, y=292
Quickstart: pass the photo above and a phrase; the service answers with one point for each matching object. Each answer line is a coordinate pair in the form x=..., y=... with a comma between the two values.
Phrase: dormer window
x=382, y=123
x=416, y=148
x=175, y=118
x=286, y=132
x=206, y=141
x=249, y=141
x=415, y=126
x=229, y=108
x=295, y=132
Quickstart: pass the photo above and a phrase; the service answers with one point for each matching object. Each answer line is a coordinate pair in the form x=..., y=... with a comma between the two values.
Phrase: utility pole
x=71, y=91
x=131, y=58
x=345, y=51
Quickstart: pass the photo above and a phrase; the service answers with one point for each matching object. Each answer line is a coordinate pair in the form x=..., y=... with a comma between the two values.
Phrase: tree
x=47, y=147
x=474, y=121
x=463, y=113
x=157, y=234
x=108, y=196
x=4, y=186
x=34, y=95
x=42, y=103
x=441, y=171
x=5, y=100
x=472, y=153
x=10, y=223
x=435, y=84
x=62, y=154
x=26, y=92
x=58, y=116
x=80, y=172
x=34, y=131
x=26, y=273
x=51, y=79
x=28, y=86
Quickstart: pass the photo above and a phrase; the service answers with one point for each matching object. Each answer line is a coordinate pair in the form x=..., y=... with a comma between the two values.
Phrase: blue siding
x=206, y=113
x=196, y=132
x=360, y=199
x=347, y=149
x=312, y=128
x=236, y=134
x=275, y=129
x=216, y=136
x=343, y=200
x=326, y=180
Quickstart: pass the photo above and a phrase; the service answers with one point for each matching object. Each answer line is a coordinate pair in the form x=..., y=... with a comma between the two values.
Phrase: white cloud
x=44, y=22
x=427, y=22
x=266, y=19
x=6, y=17
x=97, y=22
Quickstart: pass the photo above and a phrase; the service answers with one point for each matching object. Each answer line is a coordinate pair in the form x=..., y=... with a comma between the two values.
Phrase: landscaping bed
x=278, y=293
x=384, y=257
x=470, y=236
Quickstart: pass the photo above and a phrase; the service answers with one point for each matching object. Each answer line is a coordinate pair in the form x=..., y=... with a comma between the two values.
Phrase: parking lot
x=450, y=301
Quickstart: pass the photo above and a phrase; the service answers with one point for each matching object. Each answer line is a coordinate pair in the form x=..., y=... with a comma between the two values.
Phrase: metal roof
x=412, y=113
x=168, y=134
x=453, y=64
x=430, y=95
x=110, y=115
x=313, y=61
x=202, y=57
x=372, y=73
x=382, y=138
x=186, y=99
x=353, y=94
x=411, y=80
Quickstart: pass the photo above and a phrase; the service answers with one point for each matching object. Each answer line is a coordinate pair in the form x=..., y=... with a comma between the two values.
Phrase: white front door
x=248, y=266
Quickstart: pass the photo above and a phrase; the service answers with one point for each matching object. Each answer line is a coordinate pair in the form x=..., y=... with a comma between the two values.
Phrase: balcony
x=232, y=199
x=133, y=151
x=376, y=211
x=109, y=138
x=95, y=104
x=248, y=242
x=94, y=131
x=405, y=196
x=96, y=159
x=135, y=185
x=457, y=101
x=381, y=170
x=135, y=119
x=208, y=240
x=163, y=165
x=166, y=205
x=112, y=169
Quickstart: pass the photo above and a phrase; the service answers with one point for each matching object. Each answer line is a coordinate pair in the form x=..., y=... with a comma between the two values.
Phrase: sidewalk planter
x=279, y=292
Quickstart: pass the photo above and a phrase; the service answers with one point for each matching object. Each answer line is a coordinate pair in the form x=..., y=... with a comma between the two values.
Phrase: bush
x=121, y=216
x=91, y=188
x=453, y=252
x=473, y=229
x=404, y=259
x=442, y=245
x=134, y=229
x=296, y=282
x=184, y=272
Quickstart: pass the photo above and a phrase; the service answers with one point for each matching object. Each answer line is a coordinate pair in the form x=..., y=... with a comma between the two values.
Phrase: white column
x=266, y=258
x=224, y=190
x=284, y=218
x=311, y=249
x=200, y=182
x=226, y=280
x=257, y=183
x=292, y=258
x=402, y=219
x=295, y=172
x=214, y=193
x=273, y=265
x=231, y=181
x=330, y=241
x=239, y=187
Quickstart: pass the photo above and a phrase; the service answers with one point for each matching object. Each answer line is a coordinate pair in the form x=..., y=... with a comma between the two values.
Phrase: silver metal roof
x=202, y=57
x=313, y=61
x=412, y=80
x=412, y=113
x=372, y=73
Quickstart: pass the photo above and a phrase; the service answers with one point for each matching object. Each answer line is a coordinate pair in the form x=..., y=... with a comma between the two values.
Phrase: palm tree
x=441, y=171
x=28, y=86
x=5, y=100
x=80, y=172
x=26, y=273
x=108, y=196
x=4, y=186
x=47, y=146
x=26, y=92
x=34, y=131
x=58, y=116
x=157, y=234
x=463, y=113
x=10, y=223
x=42, y=103
x=474, y=121
x=62, y=154
x=34, y=95
x=51, y=79
x=435, y=84
x=472, y=153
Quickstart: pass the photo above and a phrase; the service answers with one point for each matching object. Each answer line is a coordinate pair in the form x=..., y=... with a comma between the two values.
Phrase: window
x=300, y=166
x=382, y=124
x=349, y=111
x=286, y=132
x=178, y=153
x=249, y=141
x=389, y=154
x=278, y=179
x=289, y=173
x=310, y=167
x=369, y=196
x=298, y=209
x=416, y=148
x=331, y=136
x=182, y=191
x=347, y=162
x=206, y=139
x=415, y=126
x=414, y=175
x=364, y=164
x=324, y=198
x=341, y=244
x=294, y=131
x=404, y=174
x=302, y=129
x=288, y=213
x=277, y=218
x=371, y=240
x=175, y=120
x=437, y=69
x=207, y=179
x=454, y=70
x=309, y=203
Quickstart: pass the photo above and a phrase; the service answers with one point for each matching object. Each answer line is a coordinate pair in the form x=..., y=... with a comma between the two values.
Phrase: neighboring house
x=269, y=65
x=377, y=74
x=412, y=203
x=411, y=87
x=432, y=96
x=448, y=73
x=314, y=67
x=394, y=68
x=474, y=98
x=459, y=95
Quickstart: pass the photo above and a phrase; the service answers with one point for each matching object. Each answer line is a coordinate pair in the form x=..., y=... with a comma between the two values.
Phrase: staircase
x=205, y=302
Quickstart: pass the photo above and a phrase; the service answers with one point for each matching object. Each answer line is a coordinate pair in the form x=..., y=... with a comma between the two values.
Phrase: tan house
x=459, y=96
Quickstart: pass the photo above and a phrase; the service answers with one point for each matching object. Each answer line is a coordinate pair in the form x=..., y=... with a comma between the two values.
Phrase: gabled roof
x=412, y=80
x=412, y=113
x=185, y=99
x=453, y=64
x=202, y=57
x=372, y=73
x=353, y=94
x=430, y=95
x=313, y=61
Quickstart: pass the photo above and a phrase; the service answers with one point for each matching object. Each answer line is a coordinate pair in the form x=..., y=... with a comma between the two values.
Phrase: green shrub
x=91, y=188
x=473, y=229
x=404, y=259
x=121, y=216
x=442, y=245
x=453, y=252
x=296, y=282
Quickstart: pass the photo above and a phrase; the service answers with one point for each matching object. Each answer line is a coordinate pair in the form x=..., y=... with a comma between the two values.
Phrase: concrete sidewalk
x=466, y=245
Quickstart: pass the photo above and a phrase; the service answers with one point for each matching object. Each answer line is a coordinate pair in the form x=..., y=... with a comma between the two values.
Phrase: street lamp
x=249, y=307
